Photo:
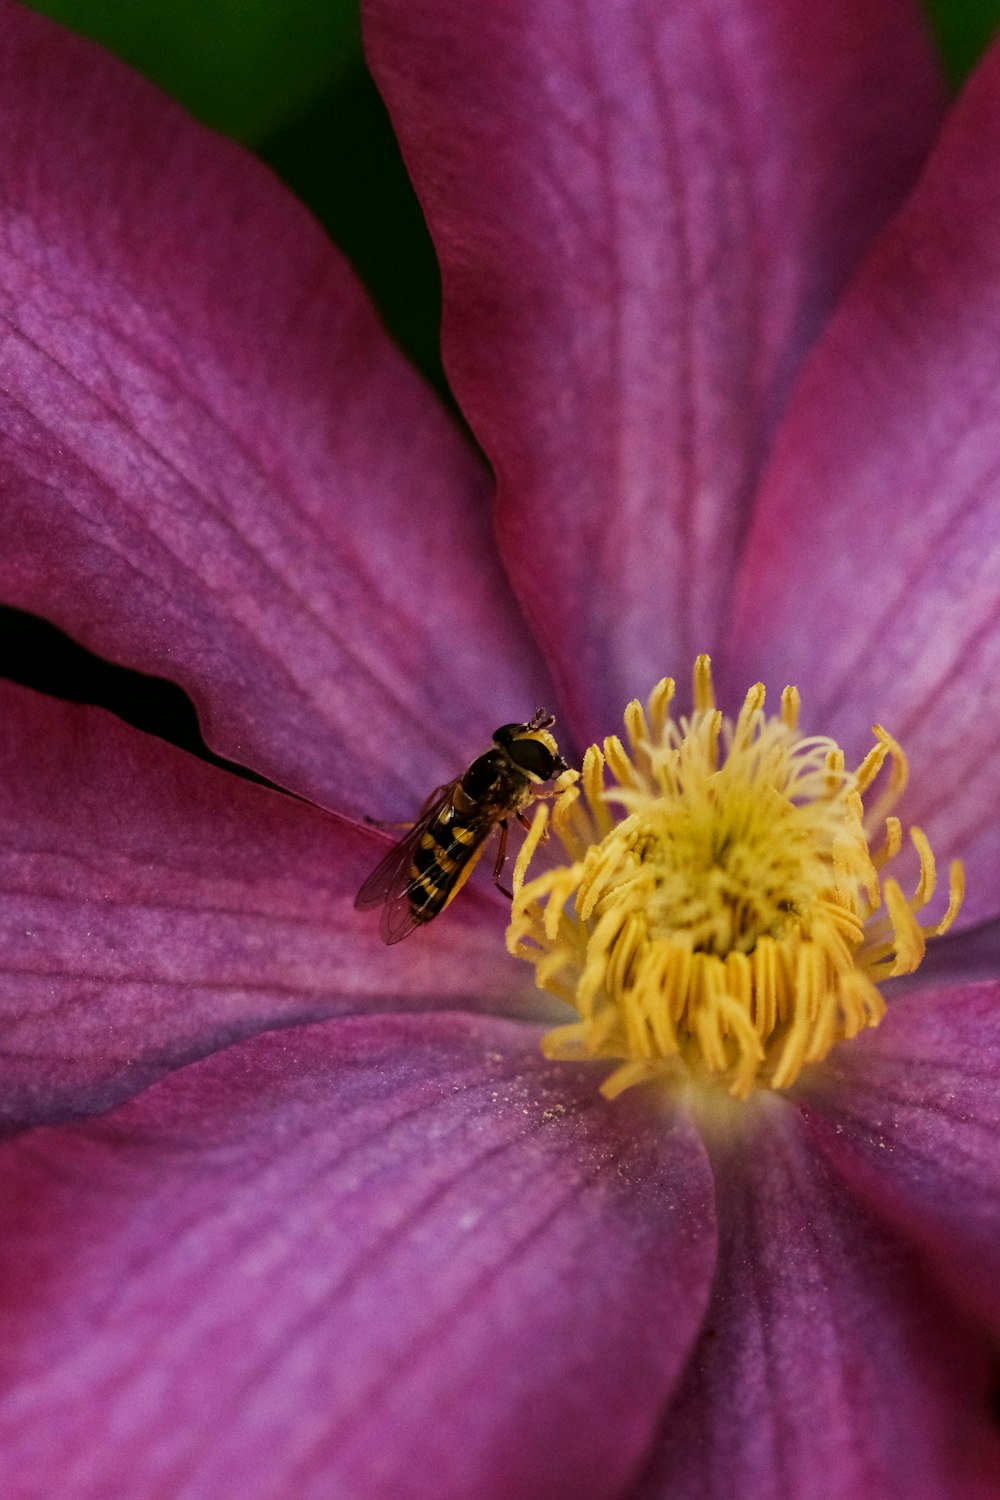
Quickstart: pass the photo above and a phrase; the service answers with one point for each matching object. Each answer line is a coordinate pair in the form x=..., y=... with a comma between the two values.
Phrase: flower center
x=722, y=915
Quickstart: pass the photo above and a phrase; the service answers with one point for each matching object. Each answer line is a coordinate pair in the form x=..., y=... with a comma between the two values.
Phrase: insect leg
x=498, y=863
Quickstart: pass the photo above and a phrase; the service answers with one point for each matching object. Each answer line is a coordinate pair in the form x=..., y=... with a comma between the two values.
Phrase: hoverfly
x=426, y=870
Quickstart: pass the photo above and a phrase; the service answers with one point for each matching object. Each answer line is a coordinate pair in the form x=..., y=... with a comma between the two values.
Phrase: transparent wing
x=390, y=885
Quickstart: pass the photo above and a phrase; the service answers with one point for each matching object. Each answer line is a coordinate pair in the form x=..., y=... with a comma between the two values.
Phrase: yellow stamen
x=722, y=916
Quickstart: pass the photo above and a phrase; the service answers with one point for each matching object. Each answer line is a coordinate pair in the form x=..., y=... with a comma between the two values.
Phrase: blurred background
x=287, y=78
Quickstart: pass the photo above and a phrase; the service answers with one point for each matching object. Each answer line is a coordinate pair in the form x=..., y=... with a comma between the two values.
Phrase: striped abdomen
x=444, y=857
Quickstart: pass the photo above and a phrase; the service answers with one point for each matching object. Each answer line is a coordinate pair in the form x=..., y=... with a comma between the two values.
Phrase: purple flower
x=288, y=1213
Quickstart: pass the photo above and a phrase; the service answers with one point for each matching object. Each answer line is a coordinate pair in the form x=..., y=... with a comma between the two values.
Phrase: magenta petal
x=153, y=908
x=871, y=575
x=401, y=1258
x=910, y=1114
x=213, y=464
x=827, y=1369
x=643, y=212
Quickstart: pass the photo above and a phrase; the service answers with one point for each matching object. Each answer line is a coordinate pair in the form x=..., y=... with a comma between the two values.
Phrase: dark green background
x=287, y=77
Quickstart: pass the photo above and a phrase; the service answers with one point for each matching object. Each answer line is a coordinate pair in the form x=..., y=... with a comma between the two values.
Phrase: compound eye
x=506, y=733
x=532, y=756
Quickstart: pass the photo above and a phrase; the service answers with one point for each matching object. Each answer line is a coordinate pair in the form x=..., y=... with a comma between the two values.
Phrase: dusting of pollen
x=724, y=916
